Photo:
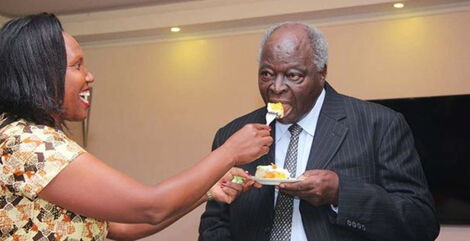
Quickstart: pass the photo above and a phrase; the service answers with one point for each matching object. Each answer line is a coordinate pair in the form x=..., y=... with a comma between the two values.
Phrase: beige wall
x=156, y=106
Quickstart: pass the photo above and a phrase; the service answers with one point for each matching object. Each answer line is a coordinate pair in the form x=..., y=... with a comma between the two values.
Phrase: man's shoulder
x=362, y=106
x=367, y=109
x=353, y=105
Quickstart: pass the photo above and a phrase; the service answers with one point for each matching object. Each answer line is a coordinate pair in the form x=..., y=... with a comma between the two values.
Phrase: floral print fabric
x=31, y=156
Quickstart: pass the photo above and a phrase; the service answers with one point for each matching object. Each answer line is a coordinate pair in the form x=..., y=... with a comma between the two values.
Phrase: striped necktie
x=282, y=224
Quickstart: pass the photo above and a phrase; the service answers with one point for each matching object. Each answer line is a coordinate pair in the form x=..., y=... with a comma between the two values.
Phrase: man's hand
x=227, y=191
x=317, y=187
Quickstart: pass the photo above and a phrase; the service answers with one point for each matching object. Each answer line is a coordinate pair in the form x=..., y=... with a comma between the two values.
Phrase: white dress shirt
x=308, y=124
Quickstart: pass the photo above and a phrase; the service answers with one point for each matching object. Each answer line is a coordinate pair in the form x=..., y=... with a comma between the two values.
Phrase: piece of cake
x=277, y=109
x=238, y=180
x=272, y=171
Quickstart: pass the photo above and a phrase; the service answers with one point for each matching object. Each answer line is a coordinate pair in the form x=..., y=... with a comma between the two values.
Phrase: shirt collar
x=305, y=122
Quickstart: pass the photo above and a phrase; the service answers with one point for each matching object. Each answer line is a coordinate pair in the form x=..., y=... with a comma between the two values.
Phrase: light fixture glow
x=398, y=5
x=175, y=29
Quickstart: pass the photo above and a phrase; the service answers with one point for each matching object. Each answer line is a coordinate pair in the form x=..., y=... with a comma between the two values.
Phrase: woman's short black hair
x=33, y=62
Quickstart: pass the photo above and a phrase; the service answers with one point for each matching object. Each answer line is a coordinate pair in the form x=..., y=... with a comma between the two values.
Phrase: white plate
x=273, y=181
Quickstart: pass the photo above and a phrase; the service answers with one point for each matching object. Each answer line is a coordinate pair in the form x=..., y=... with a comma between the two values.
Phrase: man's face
x=287, y=73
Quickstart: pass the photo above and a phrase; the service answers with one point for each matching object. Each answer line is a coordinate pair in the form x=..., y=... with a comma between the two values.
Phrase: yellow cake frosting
x=271, y=171
x=276, y=108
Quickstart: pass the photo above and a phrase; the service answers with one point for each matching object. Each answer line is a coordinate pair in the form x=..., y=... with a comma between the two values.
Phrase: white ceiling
x=13, y=8
x=109, y=20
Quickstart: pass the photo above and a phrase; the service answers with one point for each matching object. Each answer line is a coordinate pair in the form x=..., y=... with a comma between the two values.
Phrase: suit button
x=348, y=222
x=353, y=224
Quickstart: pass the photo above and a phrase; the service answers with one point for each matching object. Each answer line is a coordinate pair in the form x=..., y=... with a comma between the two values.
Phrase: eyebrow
x=264, y=66
x=76, y=59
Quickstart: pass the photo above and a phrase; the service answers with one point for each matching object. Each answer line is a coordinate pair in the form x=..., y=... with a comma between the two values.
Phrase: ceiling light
x=398, y=5
x=175, y=29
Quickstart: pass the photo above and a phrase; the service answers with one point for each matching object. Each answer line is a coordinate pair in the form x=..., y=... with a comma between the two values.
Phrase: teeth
x=85, y=95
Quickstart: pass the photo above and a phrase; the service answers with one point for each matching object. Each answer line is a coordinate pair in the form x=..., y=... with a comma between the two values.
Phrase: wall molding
x=332, y=21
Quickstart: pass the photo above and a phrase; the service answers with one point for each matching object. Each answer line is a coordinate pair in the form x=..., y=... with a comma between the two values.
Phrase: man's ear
x=324, y=72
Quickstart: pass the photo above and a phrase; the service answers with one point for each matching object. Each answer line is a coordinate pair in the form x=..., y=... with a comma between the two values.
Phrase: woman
x=52, y=188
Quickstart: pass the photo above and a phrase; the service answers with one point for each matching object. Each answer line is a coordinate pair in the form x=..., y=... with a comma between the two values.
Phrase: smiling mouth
x=85, y=96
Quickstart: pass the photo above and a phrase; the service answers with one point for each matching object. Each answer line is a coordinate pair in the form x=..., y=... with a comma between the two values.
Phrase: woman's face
x=77, y=80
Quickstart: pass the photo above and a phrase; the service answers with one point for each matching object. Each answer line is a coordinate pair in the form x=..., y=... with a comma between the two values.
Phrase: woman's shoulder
x=33, y=155
x=23, y=128
x=26, y=135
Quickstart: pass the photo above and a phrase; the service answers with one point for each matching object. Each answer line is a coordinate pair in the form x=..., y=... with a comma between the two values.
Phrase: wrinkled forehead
x=287, y=42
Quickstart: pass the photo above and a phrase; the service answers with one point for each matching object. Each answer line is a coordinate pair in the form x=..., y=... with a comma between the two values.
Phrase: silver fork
x=270, y=116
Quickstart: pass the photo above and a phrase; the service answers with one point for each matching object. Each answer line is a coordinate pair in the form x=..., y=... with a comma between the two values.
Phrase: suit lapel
x=330, y=132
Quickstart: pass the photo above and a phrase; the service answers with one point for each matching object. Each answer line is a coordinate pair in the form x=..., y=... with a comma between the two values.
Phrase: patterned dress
x=31, y=156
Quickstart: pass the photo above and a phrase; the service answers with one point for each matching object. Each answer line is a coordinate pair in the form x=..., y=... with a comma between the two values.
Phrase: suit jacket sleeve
x=215, y=221
x=399, y=205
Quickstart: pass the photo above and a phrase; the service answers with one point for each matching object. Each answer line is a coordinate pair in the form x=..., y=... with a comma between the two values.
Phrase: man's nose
x=279, y=85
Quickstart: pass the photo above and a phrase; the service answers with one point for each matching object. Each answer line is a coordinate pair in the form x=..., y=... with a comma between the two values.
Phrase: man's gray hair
x=317, y=41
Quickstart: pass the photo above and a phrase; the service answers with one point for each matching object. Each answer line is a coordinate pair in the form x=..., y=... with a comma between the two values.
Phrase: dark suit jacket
x=383, y=192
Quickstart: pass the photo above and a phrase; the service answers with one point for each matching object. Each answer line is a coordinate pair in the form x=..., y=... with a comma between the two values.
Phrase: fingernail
x=224, y=182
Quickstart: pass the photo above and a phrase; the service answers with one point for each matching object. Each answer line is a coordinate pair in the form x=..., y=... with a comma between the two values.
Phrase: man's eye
x=294, y=76
x=78, y=66
x=265, y=75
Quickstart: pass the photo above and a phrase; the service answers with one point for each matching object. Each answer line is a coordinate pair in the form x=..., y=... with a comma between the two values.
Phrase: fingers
x=268, y=140
x=229, y=195
x=299, y=189
x=317, y=187
x=296, y=186
x=235, y=171
x=259, y=126
x=264, y=132
x=232, y=186
x=263, y=151
x=297, y=193
x=260, y=129
x=257, y=129
x=266, y=143
x=310, y=173
x=257, y=185
x=294, y=194
x=245, y=185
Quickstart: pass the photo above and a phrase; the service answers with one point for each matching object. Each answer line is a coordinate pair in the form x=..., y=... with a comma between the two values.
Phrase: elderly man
x=361, y=178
